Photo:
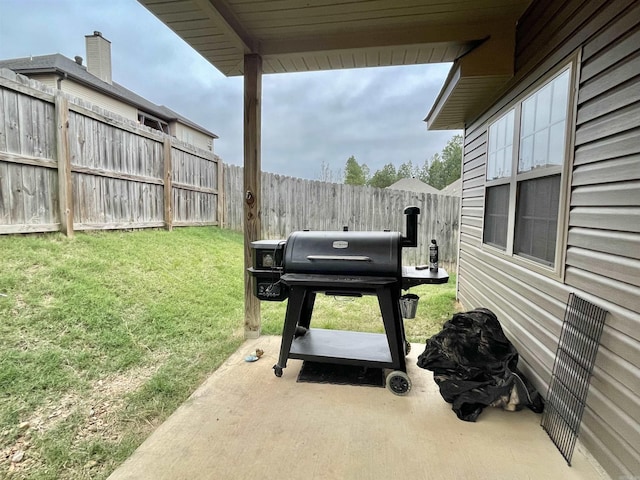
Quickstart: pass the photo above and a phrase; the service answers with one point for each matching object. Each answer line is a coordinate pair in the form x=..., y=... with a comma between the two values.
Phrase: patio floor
x=245, y=423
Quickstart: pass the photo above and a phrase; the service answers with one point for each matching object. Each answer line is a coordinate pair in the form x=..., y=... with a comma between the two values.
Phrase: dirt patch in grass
x=98, y=411
x=107, y=400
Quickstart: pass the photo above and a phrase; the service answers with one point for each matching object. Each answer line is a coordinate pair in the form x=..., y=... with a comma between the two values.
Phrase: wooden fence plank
x=11, y=126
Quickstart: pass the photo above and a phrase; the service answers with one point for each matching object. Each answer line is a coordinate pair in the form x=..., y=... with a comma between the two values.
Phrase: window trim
x=565, y=170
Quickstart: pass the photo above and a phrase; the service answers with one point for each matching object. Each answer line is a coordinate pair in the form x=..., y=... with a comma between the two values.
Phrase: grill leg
x=389, y=301
x=295, y=307
x=307, y=309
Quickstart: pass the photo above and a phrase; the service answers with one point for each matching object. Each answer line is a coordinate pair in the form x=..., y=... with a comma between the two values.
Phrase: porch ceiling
x=298, y=35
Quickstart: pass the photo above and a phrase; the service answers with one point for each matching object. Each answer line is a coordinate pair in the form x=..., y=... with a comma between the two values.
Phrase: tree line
x=438, y=171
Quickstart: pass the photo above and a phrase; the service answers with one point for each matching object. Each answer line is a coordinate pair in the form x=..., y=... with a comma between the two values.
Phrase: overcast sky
x=374, y=114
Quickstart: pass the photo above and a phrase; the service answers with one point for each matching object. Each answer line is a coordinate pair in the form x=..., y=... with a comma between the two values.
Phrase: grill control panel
x=269, y=291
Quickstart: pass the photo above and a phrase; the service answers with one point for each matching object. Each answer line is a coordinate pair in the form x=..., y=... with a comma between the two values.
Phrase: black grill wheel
x=399, y=383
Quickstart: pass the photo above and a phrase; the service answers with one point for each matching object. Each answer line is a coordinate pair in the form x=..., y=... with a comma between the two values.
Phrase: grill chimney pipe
x=411, y=240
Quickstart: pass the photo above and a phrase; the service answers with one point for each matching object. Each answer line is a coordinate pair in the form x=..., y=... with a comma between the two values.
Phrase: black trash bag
x=475, y=366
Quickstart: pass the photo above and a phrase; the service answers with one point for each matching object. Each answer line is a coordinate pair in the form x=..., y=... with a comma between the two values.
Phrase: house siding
x=90, y=95
x=103, y=101
x=182, y=132
x=192, y=136
x=603, y=226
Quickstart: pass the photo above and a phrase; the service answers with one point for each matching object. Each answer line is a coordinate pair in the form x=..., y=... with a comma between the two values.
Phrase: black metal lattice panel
x=575, y=357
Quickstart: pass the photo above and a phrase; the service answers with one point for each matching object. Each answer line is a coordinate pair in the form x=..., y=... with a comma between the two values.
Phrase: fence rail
x=68, y=165
x=290, y=204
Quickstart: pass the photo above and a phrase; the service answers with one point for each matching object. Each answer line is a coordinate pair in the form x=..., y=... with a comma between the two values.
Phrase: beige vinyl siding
x=603, y=228
x=103, y=101
x=50, y=80
x=191, y=136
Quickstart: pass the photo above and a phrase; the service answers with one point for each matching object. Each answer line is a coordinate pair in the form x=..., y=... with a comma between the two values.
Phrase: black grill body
x=348, y=264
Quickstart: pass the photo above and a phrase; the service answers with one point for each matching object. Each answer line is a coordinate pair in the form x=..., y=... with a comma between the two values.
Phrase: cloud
x=374, y=114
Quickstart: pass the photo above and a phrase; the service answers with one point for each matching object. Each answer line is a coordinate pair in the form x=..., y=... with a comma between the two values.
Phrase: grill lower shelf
x=344, y=347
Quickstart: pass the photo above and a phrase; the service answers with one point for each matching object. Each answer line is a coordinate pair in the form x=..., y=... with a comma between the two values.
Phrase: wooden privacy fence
x=290, y=204
x=68, y=165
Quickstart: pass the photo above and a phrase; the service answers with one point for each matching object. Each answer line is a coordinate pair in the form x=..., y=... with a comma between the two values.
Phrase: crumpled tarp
x=475, y=366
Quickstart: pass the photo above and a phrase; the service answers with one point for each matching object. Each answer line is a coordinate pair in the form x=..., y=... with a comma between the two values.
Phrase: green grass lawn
x=102, y=336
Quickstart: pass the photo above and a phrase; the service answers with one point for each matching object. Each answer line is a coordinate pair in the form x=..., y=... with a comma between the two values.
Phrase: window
x=499, y=167
x=153, y=122
x=542, y=132
x=501, y=148
x=496, y=216
x=537, y=219
x=525, y=158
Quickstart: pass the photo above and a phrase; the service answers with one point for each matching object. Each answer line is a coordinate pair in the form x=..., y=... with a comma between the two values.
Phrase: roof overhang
x=474, y=81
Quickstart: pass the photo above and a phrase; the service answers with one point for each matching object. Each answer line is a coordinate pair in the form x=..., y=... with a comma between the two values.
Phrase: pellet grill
x=342, y=263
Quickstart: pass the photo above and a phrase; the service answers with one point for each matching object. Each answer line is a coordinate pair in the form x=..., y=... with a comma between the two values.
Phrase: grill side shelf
x=411, y=277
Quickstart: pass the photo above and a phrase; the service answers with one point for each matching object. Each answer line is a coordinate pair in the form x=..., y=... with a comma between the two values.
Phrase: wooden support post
x=65, y=191
x=168, y=190
x=252, y=172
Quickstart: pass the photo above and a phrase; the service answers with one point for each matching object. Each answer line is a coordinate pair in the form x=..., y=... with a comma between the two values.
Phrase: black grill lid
x=346, y=253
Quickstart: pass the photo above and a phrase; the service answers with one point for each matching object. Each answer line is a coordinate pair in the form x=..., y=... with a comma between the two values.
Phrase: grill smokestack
x=99, y=56
x=411, y=240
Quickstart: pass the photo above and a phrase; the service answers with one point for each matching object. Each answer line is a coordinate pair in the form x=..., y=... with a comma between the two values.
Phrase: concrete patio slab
x=245, y=423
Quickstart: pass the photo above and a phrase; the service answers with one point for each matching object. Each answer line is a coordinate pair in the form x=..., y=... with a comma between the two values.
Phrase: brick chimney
x=99, y=56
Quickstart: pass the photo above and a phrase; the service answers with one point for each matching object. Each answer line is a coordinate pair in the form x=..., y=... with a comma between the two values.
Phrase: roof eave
x=473, y=82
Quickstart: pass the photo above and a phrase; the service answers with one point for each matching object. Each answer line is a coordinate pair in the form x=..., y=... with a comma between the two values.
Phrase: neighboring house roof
x=454, y=189
x=59, y=64
x=413, y=185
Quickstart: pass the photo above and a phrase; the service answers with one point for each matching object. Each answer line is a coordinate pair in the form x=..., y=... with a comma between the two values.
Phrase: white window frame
x=557, y=270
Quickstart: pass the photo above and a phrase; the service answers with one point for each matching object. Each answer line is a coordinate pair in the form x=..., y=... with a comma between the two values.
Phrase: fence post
x=167, y=186
x=65, y=191
x=220, y=202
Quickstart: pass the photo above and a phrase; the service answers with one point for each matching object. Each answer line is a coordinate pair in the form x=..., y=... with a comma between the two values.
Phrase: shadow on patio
x=245, y=423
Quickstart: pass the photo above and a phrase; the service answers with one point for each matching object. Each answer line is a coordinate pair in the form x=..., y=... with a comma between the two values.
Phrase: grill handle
x=343, y=258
